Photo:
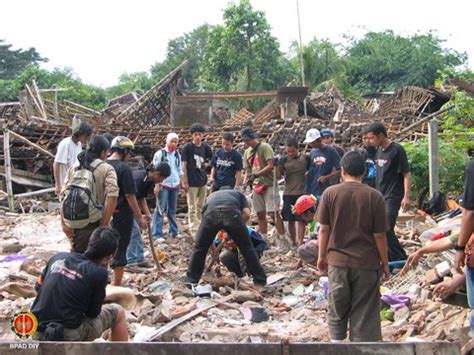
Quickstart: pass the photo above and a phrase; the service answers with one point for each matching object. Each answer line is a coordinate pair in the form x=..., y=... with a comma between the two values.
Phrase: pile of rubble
x=292, y=306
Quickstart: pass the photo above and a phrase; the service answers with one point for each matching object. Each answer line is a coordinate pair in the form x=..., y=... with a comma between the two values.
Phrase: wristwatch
x=459, y=247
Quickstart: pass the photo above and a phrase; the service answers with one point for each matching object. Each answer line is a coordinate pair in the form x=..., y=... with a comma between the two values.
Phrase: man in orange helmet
x=305, y=209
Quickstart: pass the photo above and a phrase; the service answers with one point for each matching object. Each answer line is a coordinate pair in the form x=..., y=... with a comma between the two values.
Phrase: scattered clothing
x=308, y=252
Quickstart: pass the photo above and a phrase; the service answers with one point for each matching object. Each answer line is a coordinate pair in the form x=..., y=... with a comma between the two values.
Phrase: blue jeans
x=168, y=201
x=470, y=295
x=135, y=250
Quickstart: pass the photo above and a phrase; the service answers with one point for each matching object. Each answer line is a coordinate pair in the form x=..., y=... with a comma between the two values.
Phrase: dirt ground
x=294, y=301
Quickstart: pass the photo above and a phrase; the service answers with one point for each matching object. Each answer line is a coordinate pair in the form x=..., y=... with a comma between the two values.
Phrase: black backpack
x=436, y=205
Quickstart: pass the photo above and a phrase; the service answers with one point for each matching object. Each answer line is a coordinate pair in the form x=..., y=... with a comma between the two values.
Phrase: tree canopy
x=242, y=54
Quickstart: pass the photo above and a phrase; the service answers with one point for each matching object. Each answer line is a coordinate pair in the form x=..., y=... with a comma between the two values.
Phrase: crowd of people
x=348, y=201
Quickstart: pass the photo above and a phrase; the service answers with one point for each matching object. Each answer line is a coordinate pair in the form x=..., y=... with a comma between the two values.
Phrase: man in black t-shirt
x=196, y=157
x=127, y=204
x=227, y=166
x=393, y=180
x=466, y=239
x=71, y=292
x=145, y=182
x=225, y=210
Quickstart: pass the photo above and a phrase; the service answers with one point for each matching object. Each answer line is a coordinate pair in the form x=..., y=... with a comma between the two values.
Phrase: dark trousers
x=122, y=222
x=354, y=300
x=229, y=220
x=395, y=250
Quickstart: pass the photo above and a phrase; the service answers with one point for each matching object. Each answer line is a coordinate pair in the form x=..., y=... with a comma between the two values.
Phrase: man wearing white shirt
x=67, y=151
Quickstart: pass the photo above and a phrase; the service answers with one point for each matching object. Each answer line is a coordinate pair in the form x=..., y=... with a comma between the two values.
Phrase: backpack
x=164, y=158
x=436, y=205
x=79, y=203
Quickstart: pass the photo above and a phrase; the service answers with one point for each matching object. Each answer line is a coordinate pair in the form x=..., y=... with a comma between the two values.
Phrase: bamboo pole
x=40, y=99
x=8, y=172
x=424, y=119
x=27, y=141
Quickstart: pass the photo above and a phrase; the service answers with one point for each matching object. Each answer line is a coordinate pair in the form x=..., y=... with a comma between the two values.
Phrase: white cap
x=312, y=135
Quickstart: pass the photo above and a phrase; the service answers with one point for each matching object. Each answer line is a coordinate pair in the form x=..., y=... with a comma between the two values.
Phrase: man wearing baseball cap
x=327, y=136
x=324, y=164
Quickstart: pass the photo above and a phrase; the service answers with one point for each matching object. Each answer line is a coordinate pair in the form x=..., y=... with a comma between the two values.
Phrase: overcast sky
x=102, y=39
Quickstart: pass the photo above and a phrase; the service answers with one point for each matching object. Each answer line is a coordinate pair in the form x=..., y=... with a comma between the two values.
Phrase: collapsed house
x=38, y=121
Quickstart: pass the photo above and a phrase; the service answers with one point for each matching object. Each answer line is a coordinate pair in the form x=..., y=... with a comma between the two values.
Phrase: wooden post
x=55, y=103
x=433, y=148
x=172, y=103
x=209, y=113
x=8, y=172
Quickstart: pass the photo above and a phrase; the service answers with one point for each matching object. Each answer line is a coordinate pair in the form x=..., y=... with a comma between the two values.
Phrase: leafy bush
x=452, y=165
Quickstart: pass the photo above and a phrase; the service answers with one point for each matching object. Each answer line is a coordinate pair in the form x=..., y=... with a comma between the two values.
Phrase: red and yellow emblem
x=24, y=324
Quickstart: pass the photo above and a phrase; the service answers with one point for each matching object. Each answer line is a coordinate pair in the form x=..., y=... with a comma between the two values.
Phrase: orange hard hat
x=304, y=203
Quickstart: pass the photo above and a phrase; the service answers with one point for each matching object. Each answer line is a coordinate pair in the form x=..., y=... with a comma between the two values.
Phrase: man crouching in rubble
x=225, y=210
x=71, y=291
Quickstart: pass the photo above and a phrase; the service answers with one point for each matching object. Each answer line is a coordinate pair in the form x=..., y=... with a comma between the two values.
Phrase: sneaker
x=160, y=240
x=145, y=264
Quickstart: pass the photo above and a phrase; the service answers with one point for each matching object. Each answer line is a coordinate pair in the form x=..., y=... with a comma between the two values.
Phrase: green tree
x=87, y=95
x=190, y=46
x=12, y=62
x=242, y=54
x=384, y=61
x=139, y=82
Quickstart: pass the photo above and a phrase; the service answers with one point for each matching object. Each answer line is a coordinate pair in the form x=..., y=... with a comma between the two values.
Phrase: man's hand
x=58, y=189
x=323, y=265
x=414, y=258
x=142, y=223
x=406, y=203
x=386, y=272
x=211, y=180
x=148, y=218
x=68, y=231
x=459, y=261
x=444, y=289
x=184, y=185
x=157, y=189
x=323, y=179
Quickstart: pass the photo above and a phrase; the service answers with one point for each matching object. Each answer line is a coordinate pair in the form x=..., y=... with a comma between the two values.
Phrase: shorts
x=91, y=328
x=80, y=237
x=308, y=252
x=269, y=201
x=288, y=202
x=122, y=222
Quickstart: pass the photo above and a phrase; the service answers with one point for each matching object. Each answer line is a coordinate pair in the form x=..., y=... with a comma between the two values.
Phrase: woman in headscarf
x=168, y=191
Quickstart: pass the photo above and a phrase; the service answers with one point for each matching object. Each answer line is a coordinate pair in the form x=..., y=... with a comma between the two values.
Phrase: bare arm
x=109, y=208
x=213, y=175
x=57, y=177
x=434, y=247
x=133, y=203
x=267, y=169
x=407, y=187
x=467, y=228
x=381, y=244
x=323, y=248
x=246, y=214
x=238, y=178
x=335, y=173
